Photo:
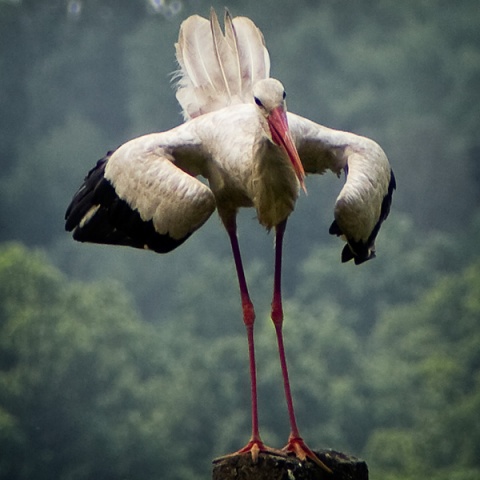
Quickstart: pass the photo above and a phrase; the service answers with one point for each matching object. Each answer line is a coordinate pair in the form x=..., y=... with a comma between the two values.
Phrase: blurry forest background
x=122, y=364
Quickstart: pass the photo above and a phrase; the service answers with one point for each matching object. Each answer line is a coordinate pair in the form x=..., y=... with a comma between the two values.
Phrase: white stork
x=238, y=135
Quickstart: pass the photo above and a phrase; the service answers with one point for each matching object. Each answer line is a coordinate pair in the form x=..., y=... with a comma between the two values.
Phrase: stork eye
x=284, y=94
x=258, y=102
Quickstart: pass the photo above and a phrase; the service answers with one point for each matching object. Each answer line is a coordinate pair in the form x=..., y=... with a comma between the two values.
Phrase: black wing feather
x=362, y=251
x=97, y=214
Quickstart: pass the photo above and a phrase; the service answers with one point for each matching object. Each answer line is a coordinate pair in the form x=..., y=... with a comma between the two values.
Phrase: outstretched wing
x=365, y=199
x=144, y=194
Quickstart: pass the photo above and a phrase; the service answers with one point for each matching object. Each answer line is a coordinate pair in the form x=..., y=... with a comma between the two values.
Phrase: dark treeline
x=122, y=364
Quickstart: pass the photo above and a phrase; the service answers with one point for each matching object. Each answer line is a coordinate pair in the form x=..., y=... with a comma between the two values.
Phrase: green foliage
x=402, y=73
x=430, y=349
x=82, y=377
x=78, y=374
x=64, y=145
x=96, y=382
x=405, y=73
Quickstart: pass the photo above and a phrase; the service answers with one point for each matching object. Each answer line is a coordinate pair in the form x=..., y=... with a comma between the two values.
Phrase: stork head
x=269, y=96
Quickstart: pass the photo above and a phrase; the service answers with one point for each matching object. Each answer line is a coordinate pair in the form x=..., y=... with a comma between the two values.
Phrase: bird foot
x=254, y=447
x=299, y=448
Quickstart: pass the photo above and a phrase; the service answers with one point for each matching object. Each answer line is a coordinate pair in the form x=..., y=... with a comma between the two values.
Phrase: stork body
x=239, y=137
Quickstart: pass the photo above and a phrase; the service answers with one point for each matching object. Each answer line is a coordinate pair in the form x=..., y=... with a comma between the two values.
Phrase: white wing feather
x=195, y=55
x=231, y=39
x=145, y=173
x=228, y=66
x=218, y=69
x=358, y=207
x=252, y=52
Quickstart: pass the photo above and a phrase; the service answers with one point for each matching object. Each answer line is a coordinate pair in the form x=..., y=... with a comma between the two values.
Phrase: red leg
x=295, y=443
x=255, y=444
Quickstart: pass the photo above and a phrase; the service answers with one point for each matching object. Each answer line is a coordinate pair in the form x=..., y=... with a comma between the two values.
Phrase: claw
x=295, y=446
x=254, y=447
x=299, y=448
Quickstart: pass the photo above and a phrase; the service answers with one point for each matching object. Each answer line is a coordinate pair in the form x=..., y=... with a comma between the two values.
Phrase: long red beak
x=278, y=123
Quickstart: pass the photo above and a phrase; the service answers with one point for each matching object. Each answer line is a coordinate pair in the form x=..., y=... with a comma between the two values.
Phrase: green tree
x=79, y=377
x=428, y=351
x=89, y=390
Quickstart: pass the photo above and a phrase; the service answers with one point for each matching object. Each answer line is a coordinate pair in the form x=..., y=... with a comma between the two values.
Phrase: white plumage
x=239, y=137
x=217, y=69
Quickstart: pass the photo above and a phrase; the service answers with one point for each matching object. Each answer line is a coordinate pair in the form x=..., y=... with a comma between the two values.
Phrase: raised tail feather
x=218, y=69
